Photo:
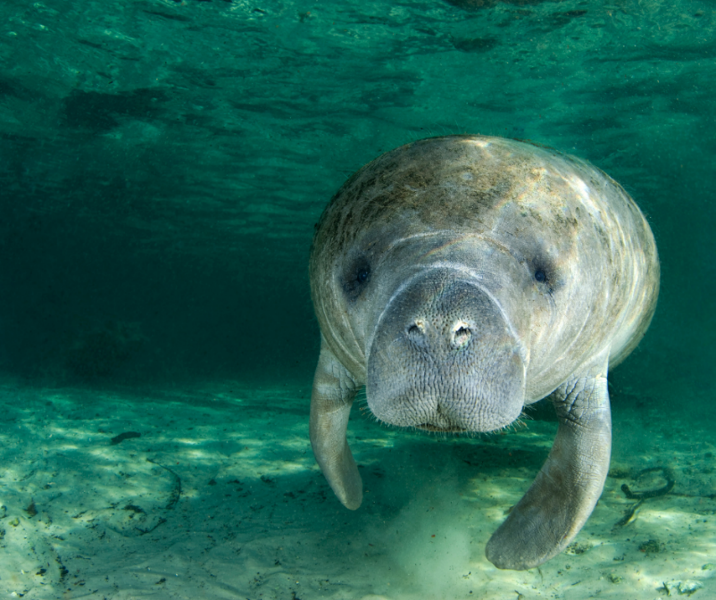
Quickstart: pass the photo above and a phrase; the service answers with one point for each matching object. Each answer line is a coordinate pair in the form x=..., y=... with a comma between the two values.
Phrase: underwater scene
x=183, y=329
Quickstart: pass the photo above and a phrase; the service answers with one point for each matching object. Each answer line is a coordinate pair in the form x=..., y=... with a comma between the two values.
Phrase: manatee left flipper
x=331, y=401
x=567, y=488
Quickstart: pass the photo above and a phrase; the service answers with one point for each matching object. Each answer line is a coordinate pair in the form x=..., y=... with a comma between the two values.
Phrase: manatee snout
x=443, y=358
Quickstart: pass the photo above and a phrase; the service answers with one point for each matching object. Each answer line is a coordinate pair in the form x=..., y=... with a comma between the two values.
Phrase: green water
x=162, y=165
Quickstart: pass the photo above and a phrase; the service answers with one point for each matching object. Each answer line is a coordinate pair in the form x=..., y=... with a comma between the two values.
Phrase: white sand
x=254, y=517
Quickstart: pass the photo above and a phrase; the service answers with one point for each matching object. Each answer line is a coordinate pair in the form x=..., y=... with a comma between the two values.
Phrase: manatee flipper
x=567, y=488
x=331, y=400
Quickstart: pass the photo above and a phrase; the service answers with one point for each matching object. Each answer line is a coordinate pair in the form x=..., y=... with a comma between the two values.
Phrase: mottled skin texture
x=460, y=278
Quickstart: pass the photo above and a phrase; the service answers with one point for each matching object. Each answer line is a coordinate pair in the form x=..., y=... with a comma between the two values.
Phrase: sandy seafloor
x=220, y=497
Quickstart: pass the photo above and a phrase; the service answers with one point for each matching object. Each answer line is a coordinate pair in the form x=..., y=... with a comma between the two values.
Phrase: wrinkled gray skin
x=461, y=278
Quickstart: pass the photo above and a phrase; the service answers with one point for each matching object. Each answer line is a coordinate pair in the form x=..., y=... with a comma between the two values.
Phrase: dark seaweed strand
x=175, y=494
x=662, y=491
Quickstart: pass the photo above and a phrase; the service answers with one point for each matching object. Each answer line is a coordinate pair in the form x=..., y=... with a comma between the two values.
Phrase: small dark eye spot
x=540, y=275
x=356, y=277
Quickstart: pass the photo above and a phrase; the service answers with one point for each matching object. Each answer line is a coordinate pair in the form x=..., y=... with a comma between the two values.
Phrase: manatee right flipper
x=567, y=488
x=331, y=400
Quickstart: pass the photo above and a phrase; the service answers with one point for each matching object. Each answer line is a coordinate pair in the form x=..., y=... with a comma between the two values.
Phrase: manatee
x=461, y=278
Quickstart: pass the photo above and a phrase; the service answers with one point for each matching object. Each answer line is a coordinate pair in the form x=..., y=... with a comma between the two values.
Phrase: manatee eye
x=356, y=277
x=545, y=273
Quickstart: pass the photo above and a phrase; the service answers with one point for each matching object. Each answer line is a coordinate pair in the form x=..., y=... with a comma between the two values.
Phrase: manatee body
x=460, y=278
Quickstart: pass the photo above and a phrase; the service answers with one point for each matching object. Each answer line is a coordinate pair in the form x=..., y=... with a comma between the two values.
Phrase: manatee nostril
x=417, y=329
x=461, y=335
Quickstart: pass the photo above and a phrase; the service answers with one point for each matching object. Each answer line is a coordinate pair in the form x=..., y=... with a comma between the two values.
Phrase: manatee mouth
x=436, y=429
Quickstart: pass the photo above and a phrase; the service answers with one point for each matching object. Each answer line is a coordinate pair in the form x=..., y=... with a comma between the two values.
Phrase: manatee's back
x=640, y=258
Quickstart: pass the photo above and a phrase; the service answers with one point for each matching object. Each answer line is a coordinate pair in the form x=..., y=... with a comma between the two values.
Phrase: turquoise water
x=162, y=165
